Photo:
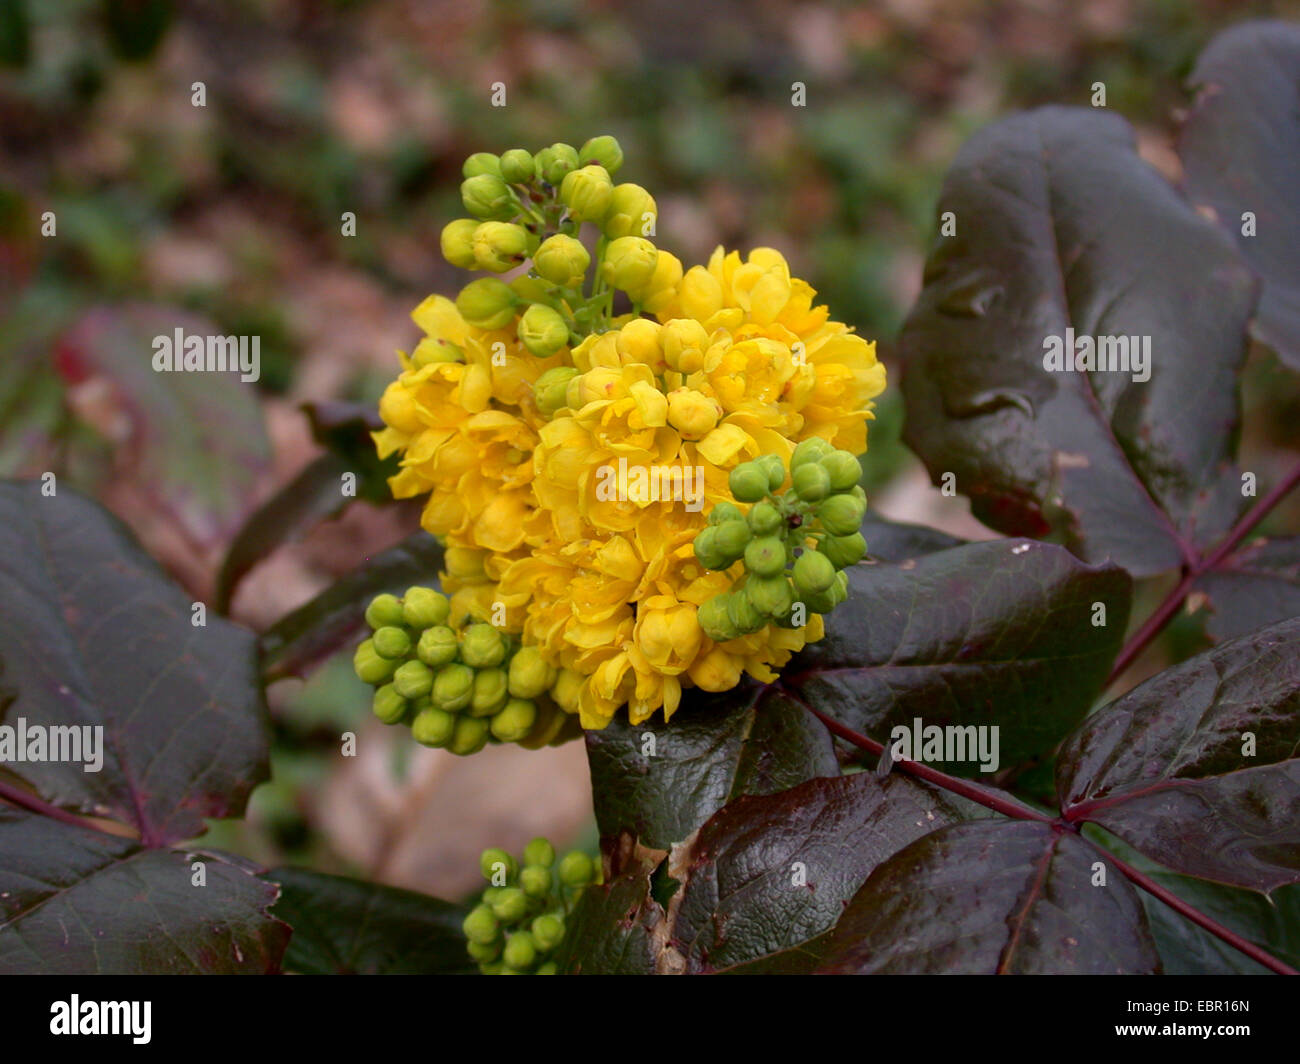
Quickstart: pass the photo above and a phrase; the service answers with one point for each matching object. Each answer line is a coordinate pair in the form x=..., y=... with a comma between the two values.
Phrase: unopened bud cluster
x=520, y=922
x=794, y=545
x=527, y=206
x=456, y=688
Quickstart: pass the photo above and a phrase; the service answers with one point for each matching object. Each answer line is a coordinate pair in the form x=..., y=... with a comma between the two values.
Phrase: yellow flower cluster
x=579, y=524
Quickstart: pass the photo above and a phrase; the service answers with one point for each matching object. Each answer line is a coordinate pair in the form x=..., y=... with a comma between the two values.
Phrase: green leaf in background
x=304, y=638
x=74, y=901
x=996, y=633
x=1060, y=225
x=658, y=782
x=1197, y=767
x=350, y=927
x=94, y=634
x=994, y=896
x=195, y=444
x=1240, y=147
x=1258, y=585
x=768, y=874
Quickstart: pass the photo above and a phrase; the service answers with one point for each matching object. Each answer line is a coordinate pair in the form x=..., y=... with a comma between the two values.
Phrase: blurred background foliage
x=231, y=214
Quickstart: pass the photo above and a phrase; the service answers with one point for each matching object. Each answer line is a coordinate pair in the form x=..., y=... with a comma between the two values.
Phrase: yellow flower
x=580, y=522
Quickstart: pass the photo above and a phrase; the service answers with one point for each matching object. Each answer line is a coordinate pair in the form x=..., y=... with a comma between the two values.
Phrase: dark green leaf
x=1241, y=152
x=302, y=639
x=94, y=634
x=997, y=633
x=659, y=783
x=895, y=541
x=767, y=874
x=313, y=495
x=994, y=896
x=345, y=428
x=617, y=928
x=1167, y=767
x=74, y=901
x=349, y=927
x=197, y=441
x=1259, y=585
x=1060, y=225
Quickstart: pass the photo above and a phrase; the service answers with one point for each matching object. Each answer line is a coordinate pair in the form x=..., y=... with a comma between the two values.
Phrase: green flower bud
x=813, y=572
x=552, y=387
x=482, y=647
x=586, y=193
x=388, y=705
x=491, y=692
x=561, y=259
x=535, y=881
x=487, y=303
x=483, y=952
x=715, y=622
x=517, y=166
x=530, y=675
x=748, y=482
x=733, y=539
x=725, y=511
x=554, y=162
x=488, y=861
x=604, y=151
x=438, y=646
x=765, y=556
x=433, y=727
x=840, y=589
x=453, y=687
x=577, y=869
x=843, y=469
x=765, y=519
x=481, y=162
x=707, y=551
x=548, y=931
x=549, y=968
x=481, y=925
x=530, y=289
x=392, y=642
x=413, y=680
x=811, y=482
x=384, y=610
x=775, y=469
x=510, y=905
x=772, y=596
x=742, y=614
x=458, y=242
x=422, y=606
x=370, y=666
x=812, y=449
x=859, y=493
x=841, y=515
x=843, y=551
x=631, y=212
x=470, y=737
x=486, y=196
x=515, y=720
x=520, y=951
x=539, y=852
x=542, y=330
x=499, y=246
x=432, y=351
x=629, y=262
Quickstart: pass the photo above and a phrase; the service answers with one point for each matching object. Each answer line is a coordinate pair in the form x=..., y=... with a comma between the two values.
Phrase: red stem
x=1009, y=807
x=24, y=800
x=1197, y=917
x=1154, y=624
